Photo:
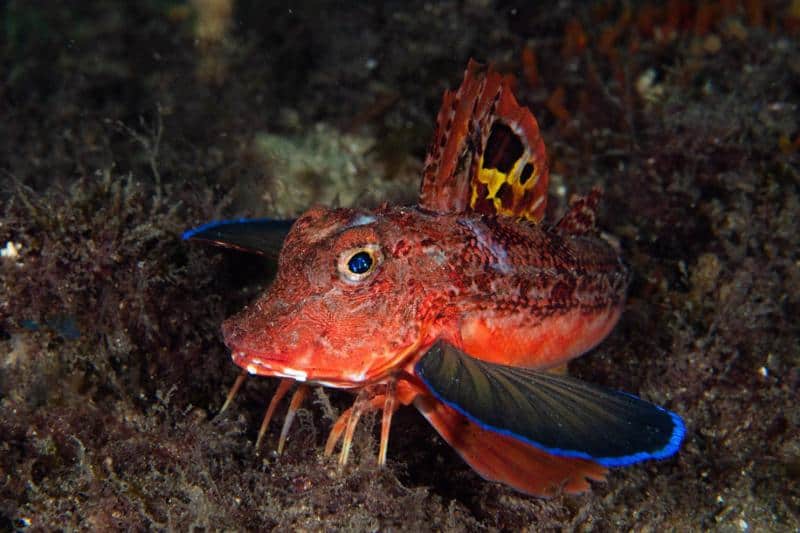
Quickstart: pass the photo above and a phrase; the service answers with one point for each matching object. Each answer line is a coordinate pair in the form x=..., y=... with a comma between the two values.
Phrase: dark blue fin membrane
x=261, y=236
x=561, y=415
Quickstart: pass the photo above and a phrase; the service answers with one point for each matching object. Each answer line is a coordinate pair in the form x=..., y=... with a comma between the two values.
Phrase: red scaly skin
x=506, y=291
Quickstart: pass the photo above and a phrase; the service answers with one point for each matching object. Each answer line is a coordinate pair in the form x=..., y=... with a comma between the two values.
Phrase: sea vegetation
x=125, y=123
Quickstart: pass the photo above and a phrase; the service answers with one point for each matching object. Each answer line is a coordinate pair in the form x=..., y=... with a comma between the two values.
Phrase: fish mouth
x=274, y=346
x=261, y=362
x=263, y=365
x=302, y=367
x=297, y=366
x=280, y=366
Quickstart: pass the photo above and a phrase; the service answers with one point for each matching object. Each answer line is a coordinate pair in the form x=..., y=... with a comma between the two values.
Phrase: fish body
x=511, y=292
x=467, y=305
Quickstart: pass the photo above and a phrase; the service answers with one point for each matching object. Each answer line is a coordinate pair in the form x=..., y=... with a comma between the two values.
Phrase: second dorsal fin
x=487, y=154
x=581, y=218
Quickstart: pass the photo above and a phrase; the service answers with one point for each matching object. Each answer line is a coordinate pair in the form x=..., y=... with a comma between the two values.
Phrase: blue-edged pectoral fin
x=559, y=414
x=261, y=236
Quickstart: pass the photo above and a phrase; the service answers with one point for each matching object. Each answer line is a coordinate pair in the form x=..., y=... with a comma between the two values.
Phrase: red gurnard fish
x=467, y=306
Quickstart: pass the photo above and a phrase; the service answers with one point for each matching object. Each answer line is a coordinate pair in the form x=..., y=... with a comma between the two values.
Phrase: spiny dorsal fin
x=487, y=154
x=581, y=219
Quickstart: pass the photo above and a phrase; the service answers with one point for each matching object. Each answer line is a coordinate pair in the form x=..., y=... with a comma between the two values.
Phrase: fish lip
x=268, y=366
x=275, y=367
x=247, y=358
x=280, y=366
x=308, y=363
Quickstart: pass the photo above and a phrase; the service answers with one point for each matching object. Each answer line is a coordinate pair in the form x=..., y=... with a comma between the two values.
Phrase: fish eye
x=359, y=263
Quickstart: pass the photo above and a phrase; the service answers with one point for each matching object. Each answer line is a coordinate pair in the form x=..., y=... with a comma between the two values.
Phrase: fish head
x=344, y=307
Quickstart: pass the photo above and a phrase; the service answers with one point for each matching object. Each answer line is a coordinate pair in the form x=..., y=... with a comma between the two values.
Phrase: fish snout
x=232, y=333
x=265, y=343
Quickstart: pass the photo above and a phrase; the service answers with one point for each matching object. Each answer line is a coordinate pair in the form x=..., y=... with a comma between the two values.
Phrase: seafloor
x=124, y=123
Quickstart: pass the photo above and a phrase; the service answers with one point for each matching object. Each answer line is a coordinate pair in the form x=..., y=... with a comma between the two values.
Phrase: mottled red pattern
x=501, y=288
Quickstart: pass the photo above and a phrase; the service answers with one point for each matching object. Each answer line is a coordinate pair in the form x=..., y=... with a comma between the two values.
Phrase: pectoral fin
x=558, y=414
x=508, y=460
x=261, y=236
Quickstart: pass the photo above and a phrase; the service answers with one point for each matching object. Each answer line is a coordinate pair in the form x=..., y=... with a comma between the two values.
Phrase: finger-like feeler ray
x=294, y=405
x=283, y=388
x=367, y=400
x=232, y=393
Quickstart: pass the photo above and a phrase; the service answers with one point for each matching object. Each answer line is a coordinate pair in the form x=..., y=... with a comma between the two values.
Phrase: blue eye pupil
x=360, y=263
